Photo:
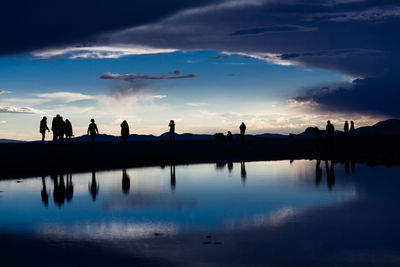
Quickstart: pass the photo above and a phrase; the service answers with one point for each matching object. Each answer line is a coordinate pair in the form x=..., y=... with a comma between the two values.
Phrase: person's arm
x=97, y=130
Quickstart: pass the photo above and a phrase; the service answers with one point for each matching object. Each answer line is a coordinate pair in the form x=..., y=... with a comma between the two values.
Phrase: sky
x=278, y=66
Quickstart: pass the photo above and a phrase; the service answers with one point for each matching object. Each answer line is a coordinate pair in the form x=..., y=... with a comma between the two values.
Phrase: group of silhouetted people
x=59, y=127
x=330, y=133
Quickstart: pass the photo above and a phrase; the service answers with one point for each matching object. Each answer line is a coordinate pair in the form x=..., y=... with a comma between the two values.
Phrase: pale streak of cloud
x=97, y=52
x=18, y=110
x=66, y=96
x=196, y=104
x=4, y=92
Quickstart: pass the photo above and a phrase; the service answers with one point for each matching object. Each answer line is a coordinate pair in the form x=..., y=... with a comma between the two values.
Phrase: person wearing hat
x=43, y=128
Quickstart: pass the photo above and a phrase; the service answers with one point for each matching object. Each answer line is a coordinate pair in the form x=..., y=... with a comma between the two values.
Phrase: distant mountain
x=7, y=141
x=384, y=128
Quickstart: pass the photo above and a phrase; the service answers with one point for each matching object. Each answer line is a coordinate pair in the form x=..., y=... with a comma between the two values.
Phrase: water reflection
x=44, y=193
x=126, y=182
x=93, y=186
x=70, y=188
x=318, y=172
x=173, y=177
x=243, y=173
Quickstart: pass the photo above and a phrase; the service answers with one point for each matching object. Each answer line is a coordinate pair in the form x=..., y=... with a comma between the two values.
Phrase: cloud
x=369, y=96
x=141, y=77
x=66, y=96
x=175, y=72
x=97, y=52
x=219, y=57
x=18, y=110
x=197, y=104
x=4, y=92
x=273, y=29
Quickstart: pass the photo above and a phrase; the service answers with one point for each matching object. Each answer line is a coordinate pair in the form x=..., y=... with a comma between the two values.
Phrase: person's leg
x=43, y=137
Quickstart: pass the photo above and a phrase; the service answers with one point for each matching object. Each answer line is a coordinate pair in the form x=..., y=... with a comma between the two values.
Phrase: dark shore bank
x=36, y=159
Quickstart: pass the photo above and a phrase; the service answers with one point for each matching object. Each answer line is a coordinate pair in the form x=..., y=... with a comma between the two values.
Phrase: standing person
x=55, y=127
x=68, y=131
x=229, y=136
x=330, y=130
x=172, y=131
x=242, y=130
x=92, y=130
x=124, y=131
x=346, y=128
x=43, y=127
x=61, y=130
x=352, y=128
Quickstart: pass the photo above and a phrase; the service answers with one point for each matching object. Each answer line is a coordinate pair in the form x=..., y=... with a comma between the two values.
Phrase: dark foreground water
x=256, y=213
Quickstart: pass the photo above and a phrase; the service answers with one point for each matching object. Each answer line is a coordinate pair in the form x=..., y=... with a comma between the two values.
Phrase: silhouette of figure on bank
x=352, y=128
x=70, y=188
x=68, y=131
x=318, y=172
x=124, y=131
x=318, y=138
x=229, y=136
x=55, y=127
x=59, y=190
x=171, y=131
x=43, y=128
x=126, y=182
x=346, y=128
x=330, y=130
x=44, y=193
x=61, y=130
x=92, y=130
x=242, y=131
x=243, y=173
x=173, y=177
x=93, y=186
x=330, y=174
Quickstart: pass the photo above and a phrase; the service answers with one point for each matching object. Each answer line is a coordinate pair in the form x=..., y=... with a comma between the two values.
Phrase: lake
x=242, y=213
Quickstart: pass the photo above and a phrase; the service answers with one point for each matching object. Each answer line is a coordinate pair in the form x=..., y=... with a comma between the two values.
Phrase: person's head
x=329, y=122
x=66, y=120
x=229, y=132
x=58, y=116
x=45, y=118
x=92, y=120
x=346, y=122
x=352, y=122
x=172, y=121
x=316, y=128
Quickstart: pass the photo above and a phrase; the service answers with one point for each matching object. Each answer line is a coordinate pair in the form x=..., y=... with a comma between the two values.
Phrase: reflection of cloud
x=144, y=200
x=106, y=230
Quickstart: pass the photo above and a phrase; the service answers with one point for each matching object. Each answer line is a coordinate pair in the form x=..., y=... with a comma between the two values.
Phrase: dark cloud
x=273, y=29
x=219, y=57
x=370, y=95
x=142, y=77
x=29, y=25
x=175, y=72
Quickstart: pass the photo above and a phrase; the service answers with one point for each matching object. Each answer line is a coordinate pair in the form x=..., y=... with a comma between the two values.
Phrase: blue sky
x=209, y=65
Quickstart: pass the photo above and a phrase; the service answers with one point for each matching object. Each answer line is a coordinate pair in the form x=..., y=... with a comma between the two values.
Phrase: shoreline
x=20, y=160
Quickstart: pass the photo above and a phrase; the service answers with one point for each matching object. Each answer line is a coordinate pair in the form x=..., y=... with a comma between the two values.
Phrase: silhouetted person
x=93, y=187
x=68, y=131
x=318, y=172
x=124, y=131
x=242, y=131
x=229, y=136
x=61, y=130
x=43, y=128
x=352, y=128
x=173, y=177
x=92, y=130
x=346, y=128
x=44, y=193
x=69, y=188
x=126, y=182
x=243, y=173
x=318, y=138
x=330, y=174
x=172, y=131
x=330, y=130
x=55, y=127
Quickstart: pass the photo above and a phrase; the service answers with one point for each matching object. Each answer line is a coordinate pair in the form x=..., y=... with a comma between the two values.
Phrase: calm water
x=208, y=198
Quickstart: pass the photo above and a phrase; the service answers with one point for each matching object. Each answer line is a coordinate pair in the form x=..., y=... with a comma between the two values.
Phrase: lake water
x=321, y=203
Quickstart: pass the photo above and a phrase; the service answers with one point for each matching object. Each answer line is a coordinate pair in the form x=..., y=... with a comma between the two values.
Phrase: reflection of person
x=124, y=131
x=70, y=188
x=44, y=193
x=43, y=127
x=318, y=172
x=330, y=174
x=126, y=182
x=93, y=186
x=243, y=171
x=230, y=166
x=242, y=131
x=173, y=177
x=92, y=130
x=172, y=131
